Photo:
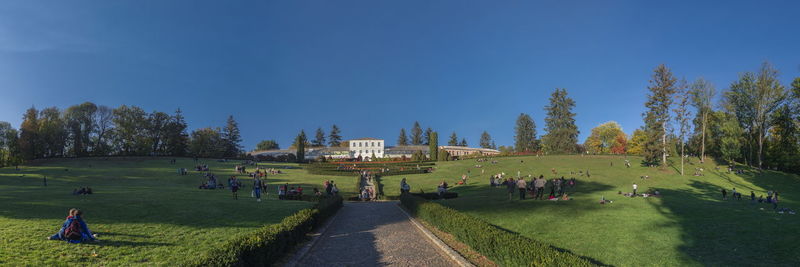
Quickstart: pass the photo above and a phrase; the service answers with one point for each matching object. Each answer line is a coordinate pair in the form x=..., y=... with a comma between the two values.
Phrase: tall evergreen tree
x=232, y=138
x=453, y=140
x=177, y=139
x=334, y=137
x=463, y=142
x=493, y=145
x=682, y=118
x=433, y=146
x=562, y=133
x=427, y=135
x=525, y=138
x=659, y=100
x=402, y=140
x=29, y=135
x=702, y=96
x=486, y=140
x=300, y=142
x=416, y=134
x=319, y=138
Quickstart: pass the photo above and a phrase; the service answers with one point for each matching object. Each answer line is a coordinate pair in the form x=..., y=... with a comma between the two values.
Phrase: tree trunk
x=703, y=142
x=760, y=147
x=664, y=146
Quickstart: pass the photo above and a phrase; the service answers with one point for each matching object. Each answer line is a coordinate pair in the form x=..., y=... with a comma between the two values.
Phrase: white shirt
x=635, y=186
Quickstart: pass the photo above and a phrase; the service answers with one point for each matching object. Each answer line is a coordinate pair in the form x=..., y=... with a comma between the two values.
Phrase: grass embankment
x=689, y=225
x=144, y=212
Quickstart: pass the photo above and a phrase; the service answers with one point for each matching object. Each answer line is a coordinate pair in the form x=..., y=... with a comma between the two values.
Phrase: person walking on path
x=522, y=188
x=635, y=186
x=510, y=186
x=257, y=188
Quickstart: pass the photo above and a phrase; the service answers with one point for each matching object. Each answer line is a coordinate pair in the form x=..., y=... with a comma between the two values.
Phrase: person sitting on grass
x=74, y=229
x=442, y=189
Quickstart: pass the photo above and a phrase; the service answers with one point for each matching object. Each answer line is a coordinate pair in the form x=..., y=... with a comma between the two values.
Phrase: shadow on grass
x=718, y=232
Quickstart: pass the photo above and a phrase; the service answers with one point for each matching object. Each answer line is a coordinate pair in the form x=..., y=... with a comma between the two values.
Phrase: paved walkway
x=374, y=234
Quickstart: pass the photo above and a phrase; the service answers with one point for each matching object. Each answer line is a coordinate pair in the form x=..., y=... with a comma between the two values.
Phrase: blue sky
x=373, y=67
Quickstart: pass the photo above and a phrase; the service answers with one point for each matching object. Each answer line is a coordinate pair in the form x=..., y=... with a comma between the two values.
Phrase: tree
x=176, y=139
x=319, y=138
x=334, y=137
x=207, y=143
x=562, y=133
x=29, y=135
x=433, y=146
x=453, y=140
x=753, y=98
x=300, y=145
x=427, y=135
x=52, y=133
x=402, y=140
x=130, y=123
x=702, y=96
x=104, y=128
x=486, y=140
x=682, y=118
x=416, y=134
x=636, y=144
x=79, y=121
x=5, y=143
x=156, y=130
x=620, y=144
x=267, y=145
x=783, y=141
x=603, y=138
x=659, y=100
x=525, y=138
x=730, y=143
x=232, y=138
x=493, y=145
x=463, y=142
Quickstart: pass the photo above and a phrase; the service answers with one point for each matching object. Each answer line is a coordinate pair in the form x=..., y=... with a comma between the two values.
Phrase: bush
x=501, y=246
x=269, y=244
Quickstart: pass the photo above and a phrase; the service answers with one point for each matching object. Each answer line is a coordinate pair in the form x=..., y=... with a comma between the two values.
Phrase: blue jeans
x=258, y=192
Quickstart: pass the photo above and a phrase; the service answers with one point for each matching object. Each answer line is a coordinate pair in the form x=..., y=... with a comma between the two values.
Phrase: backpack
x=73, y=231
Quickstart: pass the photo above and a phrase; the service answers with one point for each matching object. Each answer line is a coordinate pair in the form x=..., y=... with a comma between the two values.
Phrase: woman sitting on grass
x=74, y=229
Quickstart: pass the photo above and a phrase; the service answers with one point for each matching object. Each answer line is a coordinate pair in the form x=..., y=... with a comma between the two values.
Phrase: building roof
x=469, y=149
x=365, y=138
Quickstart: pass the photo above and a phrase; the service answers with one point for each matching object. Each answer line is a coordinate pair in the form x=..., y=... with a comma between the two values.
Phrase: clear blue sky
x=373, y=67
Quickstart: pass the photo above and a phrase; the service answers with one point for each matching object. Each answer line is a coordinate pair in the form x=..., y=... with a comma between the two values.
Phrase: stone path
x=374, y=234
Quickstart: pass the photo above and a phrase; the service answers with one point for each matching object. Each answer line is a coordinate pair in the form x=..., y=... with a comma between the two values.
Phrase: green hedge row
x=501, y=246
x=270, y=243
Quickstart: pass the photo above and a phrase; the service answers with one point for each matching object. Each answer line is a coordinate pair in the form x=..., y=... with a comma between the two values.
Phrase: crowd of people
x=82, y=191
x=535, y=187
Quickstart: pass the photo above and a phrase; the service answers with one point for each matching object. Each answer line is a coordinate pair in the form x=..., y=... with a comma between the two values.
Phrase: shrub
x=503, y=247
x=268, y=244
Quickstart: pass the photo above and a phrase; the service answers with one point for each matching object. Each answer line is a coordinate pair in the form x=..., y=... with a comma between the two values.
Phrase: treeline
x=87, y=129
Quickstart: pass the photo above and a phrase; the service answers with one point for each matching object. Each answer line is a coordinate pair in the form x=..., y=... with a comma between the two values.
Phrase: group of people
x=210, y=182
x=82, y=191
x=286, y=192
x=772, y=197
x=367, y=190
x=535, y=187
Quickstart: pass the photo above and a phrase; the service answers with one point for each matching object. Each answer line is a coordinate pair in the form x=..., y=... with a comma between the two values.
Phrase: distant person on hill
x=74, y=229
x=522, y=186
x=734, y=194
x=635, y=187
x=752, y=196
x=724, y=194
x=257, y=185
x=510, y=187
x=234, y=185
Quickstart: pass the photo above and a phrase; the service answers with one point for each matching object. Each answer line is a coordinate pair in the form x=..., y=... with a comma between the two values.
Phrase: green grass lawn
x=142, y=209
x=689, y=225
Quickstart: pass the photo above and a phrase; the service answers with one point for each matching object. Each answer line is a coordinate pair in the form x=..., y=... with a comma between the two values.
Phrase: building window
x=372, y=143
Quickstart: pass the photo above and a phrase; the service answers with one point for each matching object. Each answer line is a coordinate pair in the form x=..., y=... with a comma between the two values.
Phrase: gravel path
x=374, y=234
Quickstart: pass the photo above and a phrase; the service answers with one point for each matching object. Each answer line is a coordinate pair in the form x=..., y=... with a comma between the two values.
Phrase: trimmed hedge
x=270, y=243
x=501, y=246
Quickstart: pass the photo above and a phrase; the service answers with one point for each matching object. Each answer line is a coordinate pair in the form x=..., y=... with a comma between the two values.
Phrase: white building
x=366, y=147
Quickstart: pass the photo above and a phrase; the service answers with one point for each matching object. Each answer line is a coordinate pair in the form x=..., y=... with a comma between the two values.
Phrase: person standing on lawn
x=257, y=185
x=510, y=187
x=522, y=186
x=234, y=184
x=635, y=186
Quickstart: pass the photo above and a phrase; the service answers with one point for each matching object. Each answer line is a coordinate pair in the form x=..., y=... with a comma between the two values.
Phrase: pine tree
x=562, y=133
x=486, y=140
x=319, y=138
x=682, y=117
x=463, y=142
x=525, y=138
x=300, y=145
x=433, y=146
x=402, y=140
x=453, y=140
x=662, y=89
x=416, y=134
x=232, y=138
x=427, y=135
x=334, y=138
x=493, y=145
x=177, y=138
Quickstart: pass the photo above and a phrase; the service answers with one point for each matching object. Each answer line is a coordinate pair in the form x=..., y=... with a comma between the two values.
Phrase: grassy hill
x=689, y=225
x=142, y=209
